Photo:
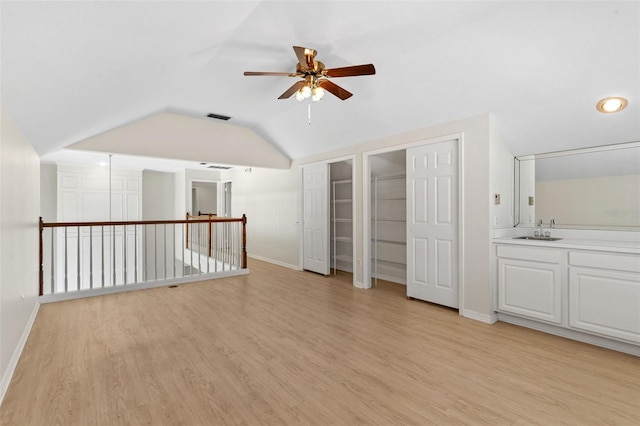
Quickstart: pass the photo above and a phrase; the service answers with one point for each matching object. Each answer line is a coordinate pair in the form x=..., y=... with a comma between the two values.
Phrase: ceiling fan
x=316, y=77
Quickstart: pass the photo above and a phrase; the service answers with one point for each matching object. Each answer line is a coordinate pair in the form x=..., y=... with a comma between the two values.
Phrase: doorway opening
x=204, y=198
x=327, y=244
x=413, y=211
x=388, y=217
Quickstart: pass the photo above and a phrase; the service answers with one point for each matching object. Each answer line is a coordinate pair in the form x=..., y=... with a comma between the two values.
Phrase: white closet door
x=315, y=192
x=432, y=223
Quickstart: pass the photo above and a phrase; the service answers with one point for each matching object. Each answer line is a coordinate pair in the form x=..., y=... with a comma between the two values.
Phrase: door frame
x=366, y=209
x=353, y=207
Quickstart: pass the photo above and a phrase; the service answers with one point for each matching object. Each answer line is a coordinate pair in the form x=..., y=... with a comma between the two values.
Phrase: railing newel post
x=244, y=241
x=41, y=258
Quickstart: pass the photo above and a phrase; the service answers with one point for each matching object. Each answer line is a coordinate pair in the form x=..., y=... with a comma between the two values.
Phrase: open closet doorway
x=412, y=203
x=388, y=220
x=342, y=205
x=327, y=245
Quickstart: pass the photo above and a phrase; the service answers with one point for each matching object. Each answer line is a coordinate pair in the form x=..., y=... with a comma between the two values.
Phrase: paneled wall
x=84, y=196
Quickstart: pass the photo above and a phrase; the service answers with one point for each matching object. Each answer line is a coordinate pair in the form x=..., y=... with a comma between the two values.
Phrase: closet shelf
x=343, y=239
x=392, y=220
x=398, y=243
x=343, y=258
x=342, y=201
x=390, y=263
x=343, y=220
x=344, y=181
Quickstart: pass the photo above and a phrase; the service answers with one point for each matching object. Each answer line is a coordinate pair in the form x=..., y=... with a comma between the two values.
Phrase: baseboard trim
x=275, y=262
x=486, y=318
x=13, y=362
x=49, y=298
x=615, y=345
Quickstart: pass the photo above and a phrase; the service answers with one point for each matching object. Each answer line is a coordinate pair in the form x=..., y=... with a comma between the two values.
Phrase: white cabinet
x=570, y=290
x=530, y=282
x=604, y=294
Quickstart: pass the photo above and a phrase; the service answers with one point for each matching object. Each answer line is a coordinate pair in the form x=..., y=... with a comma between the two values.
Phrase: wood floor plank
x=287, y=347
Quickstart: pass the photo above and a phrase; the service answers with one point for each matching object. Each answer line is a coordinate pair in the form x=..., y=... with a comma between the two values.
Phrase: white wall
x=49, y=192
x=271, y=199
x=502, y=179
x=19, y=212
x=606, y=201
x=158, y=196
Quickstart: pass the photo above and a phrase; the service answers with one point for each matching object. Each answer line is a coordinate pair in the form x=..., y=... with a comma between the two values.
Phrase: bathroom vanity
x=583, y=280
x=583, y=289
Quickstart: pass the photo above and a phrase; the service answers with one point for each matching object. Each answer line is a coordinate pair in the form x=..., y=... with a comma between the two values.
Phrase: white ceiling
x=73, y=70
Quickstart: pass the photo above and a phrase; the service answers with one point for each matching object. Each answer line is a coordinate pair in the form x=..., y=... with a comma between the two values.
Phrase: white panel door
x=432, y=223
x=315, y=184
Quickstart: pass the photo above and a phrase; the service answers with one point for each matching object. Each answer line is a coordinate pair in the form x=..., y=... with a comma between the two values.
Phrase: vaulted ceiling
x=71, y=71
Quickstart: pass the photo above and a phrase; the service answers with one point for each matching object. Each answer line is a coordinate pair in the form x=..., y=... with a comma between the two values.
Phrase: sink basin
x=531, y=237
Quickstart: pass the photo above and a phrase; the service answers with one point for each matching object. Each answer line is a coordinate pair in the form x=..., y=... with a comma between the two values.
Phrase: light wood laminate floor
x=286, y=347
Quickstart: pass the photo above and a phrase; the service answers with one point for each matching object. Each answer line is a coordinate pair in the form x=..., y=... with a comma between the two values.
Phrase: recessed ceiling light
x=611, y=104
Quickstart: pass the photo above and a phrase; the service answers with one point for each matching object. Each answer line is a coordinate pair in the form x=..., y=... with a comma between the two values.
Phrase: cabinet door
x=605, y=302
x=531, y=289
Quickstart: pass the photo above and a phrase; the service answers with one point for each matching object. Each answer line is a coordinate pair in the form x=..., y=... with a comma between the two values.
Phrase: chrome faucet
x=552, y=224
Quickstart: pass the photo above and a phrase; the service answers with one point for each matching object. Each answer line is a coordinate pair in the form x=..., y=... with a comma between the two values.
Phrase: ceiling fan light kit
x=316, y=77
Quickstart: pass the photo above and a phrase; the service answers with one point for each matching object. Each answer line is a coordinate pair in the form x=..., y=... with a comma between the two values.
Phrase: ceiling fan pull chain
x=309, y=112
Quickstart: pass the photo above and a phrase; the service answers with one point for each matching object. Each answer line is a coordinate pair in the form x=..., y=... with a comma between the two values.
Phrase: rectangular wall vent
x=218, y=116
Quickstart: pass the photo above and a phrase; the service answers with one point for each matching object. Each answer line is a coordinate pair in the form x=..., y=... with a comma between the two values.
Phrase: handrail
x=142, y=222
x=210, y=219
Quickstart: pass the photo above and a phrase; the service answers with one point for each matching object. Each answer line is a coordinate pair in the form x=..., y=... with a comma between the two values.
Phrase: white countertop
x=632, y=247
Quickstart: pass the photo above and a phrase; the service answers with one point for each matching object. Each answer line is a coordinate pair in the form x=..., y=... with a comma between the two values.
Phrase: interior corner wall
x=501, y=174
x=270, y=199
x=19, y=230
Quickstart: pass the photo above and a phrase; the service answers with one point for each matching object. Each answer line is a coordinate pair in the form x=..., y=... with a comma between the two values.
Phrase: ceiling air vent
x=218, y=116
x=213, y=166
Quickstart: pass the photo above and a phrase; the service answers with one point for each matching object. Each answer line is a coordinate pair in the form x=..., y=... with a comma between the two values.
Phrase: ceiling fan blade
x=305, y=56
x=367, y=69
x=293, y=89
x=335, y=89
x=282, y=74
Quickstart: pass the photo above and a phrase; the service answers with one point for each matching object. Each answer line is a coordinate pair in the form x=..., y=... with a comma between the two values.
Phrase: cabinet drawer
x=620, y=262
x=605, y=302
x=533, y=254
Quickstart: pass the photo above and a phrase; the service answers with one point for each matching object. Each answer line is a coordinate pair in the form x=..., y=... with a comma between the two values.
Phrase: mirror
x=591, y=188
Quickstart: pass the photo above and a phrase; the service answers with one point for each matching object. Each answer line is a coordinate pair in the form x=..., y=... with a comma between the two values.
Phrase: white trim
x=358, y=284
x=275, y=262
x=477, y=316
x=390, y=279
x=591, y=339
x=49, y=298
x=13, y=362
